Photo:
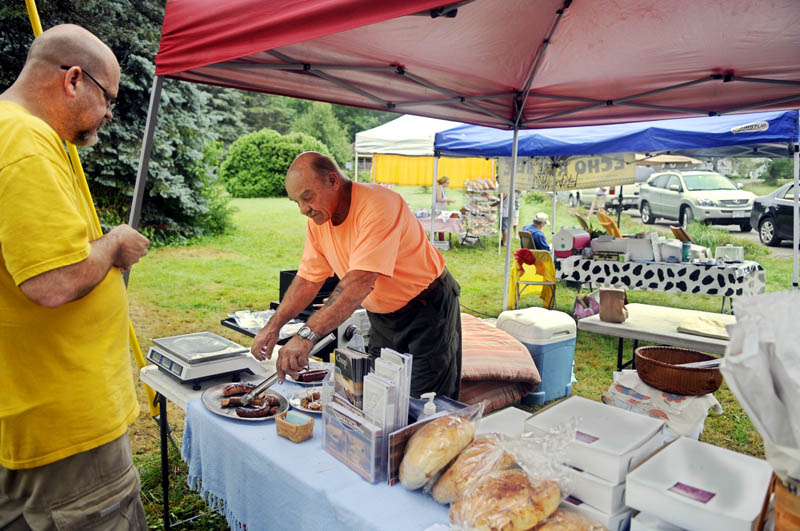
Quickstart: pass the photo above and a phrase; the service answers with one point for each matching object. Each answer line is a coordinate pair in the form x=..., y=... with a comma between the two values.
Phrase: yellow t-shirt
x=381, y=235
x=65, y=374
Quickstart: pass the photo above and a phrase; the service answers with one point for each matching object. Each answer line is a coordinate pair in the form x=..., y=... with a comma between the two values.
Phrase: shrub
x=713, y=237
x=534, y=197
x=257, y=162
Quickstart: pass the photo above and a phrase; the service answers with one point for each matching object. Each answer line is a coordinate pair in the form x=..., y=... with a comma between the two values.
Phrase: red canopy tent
x=502, y=63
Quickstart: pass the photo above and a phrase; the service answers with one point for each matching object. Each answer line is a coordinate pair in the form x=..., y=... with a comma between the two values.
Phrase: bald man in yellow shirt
x=67, y=390
x=368, y=236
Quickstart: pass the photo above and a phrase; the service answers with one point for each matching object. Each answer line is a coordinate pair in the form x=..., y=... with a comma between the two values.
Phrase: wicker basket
x=293, y=432
x=657, y=368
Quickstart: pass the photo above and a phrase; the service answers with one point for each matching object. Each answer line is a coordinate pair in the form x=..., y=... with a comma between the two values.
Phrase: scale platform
x=200, y=356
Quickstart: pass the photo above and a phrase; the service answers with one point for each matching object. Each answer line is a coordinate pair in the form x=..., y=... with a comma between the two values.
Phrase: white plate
x=296, y=399
x=312, y=366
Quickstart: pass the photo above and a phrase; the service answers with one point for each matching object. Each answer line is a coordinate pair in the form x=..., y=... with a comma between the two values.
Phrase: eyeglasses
x=111, y=102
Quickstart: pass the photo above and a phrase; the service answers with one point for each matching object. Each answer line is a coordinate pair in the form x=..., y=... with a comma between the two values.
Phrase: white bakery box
x=700, y=487
x=619, y=521
x=648, y=522
x=609, y=441
x=597, y=492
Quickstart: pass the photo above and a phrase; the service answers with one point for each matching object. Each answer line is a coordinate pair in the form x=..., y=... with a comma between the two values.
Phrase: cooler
x=550, y=338
x=570, y=241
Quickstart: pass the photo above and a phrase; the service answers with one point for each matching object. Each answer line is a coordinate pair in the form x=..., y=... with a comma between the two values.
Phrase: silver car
x=695, y=195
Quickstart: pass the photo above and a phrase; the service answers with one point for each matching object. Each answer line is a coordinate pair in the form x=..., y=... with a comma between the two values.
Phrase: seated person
x=539, y=240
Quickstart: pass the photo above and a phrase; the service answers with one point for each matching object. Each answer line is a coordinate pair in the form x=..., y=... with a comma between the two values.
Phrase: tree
x=180, y=191
x=257, y=162
x=320, y=122
x=778, y=169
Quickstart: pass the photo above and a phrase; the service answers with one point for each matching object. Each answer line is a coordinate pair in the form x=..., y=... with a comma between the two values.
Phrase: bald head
x=319, y=188
x=68, y=99
x=313, y=163
x=70, y=45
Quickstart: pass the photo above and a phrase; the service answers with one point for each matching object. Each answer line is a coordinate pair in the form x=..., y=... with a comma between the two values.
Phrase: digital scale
x=202, y=355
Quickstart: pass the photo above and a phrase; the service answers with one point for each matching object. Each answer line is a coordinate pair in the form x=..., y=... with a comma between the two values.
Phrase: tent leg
x=795, y=217
x=553, y=221
x=433, y=191
x=355, y=167
x=147, y=148
x=511, y=213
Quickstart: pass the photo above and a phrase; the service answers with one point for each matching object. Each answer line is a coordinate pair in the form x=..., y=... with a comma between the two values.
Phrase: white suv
x=688, y=195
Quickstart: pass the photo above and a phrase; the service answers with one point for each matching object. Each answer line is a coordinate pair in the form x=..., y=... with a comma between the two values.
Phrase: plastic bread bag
x=436, y=441
x=568, y=520
x=486, y=453
x=521, y=497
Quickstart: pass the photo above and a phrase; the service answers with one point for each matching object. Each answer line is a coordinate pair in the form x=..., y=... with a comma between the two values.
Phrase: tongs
x=263, y=386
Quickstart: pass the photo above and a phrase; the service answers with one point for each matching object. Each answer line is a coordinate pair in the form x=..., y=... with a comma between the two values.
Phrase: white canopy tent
x=407, y=135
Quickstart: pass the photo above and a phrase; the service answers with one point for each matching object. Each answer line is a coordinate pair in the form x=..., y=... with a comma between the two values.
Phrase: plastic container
x=550, y=338
x=685, y=248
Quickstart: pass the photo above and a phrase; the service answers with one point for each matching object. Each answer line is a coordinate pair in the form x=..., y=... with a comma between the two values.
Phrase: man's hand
x=264, y=343
x=130, y=246
x=293, y=357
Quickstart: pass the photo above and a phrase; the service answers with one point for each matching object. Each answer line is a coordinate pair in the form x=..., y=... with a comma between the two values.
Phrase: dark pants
x=428, y=328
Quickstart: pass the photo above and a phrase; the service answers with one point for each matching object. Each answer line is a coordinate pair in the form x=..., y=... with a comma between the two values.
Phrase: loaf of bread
x=566, y=520
x=506, y=500
x=432, y=447
x=483, y=455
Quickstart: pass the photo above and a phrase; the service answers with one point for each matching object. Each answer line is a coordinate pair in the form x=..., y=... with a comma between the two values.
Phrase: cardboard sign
x=570, y=173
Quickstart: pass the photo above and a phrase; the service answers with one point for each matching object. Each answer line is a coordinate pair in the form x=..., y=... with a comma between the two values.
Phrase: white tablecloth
x=264, y=481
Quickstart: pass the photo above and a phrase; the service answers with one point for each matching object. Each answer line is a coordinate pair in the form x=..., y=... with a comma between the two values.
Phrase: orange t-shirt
x=380, y=234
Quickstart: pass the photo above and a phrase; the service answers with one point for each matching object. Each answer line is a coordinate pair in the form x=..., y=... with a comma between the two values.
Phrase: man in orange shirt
x=367, y=235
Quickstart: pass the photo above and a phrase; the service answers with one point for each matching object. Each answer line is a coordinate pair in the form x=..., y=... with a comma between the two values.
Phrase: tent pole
x=355, y=165
x=511, y=213
x=433, y=199
x=500, y=232
x=144, y=156
x=795, y=218
x=553, y=222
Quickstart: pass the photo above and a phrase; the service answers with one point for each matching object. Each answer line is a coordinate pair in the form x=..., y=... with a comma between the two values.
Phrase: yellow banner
x=571, y=173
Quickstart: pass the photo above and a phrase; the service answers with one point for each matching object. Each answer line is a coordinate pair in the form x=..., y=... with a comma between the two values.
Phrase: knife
x=263, y=386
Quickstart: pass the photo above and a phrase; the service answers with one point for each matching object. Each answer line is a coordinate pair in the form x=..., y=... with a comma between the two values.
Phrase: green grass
x=761, y=188
x=187, y=289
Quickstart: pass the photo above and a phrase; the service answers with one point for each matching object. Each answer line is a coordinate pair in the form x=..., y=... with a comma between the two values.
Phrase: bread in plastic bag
x=483, y=455
x=567, y=520
x=432, y=447
x=508, y=499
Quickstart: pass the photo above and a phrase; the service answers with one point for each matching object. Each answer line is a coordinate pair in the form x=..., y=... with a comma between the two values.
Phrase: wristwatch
x=306, y=333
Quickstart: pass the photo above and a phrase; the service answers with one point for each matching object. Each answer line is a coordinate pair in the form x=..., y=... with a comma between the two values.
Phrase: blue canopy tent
x=766, y=134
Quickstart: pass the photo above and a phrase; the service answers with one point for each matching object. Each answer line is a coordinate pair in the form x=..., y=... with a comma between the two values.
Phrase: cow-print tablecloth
x=729, y=280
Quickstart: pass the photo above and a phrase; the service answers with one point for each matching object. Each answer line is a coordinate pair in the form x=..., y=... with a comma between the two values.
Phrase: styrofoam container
x=550, y=337
x=510, y=421
x=648, y=522
x=609, y=441
x=700, y=487
x=597, y=492
x=614, y=522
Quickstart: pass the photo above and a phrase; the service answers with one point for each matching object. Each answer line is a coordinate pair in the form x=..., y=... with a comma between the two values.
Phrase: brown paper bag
x=612, y=305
